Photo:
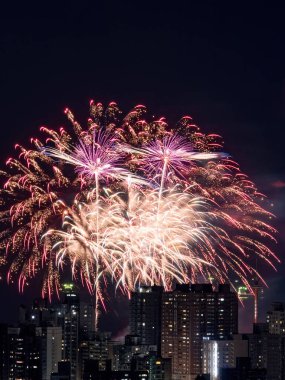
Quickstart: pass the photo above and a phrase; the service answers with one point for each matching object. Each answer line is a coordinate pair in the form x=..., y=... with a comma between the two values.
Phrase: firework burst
x=129, y=201
x=168, y=160
x=132, y=244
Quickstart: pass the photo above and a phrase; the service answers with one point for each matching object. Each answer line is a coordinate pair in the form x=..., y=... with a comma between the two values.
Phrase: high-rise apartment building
x=191, y=314
x=22, y=358
x=145, y=314
x=51, y=350
x=175, y=334
x=87, y=320
x=69, y=312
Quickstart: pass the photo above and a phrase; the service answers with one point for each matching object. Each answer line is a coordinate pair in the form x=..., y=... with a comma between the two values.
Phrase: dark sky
x=222, y=62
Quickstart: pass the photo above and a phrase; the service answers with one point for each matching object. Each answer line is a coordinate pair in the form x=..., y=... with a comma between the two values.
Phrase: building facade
x=218, y=354
x=51, y=350
x=191, y=314
x=145, y=314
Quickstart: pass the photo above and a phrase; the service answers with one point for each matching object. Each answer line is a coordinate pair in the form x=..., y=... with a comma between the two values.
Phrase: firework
x=30, y=203
x=169, y=159
x=38, y=190
x=132, y=244
x=130, y=201
x=96, y=160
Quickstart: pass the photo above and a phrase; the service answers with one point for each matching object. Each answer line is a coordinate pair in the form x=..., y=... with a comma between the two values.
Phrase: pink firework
x=93, y=158
x=169, y=159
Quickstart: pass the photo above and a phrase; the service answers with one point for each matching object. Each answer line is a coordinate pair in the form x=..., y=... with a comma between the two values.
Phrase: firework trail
x=97, y=160
x=97, y=197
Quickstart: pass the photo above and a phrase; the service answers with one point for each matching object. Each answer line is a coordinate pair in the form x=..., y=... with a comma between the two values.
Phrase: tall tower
x=176, y=330
x=226, y=306
x=70, y=317
x=87, y=318
x=145, y=314
x=51, y=350
x=191, y=315
x=23, y=353
x=255, y=294
x=257, y=290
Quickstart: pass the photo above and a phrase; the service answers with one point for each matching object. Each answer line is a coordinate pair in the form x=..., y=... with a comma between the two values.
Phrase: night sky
x=222, y=62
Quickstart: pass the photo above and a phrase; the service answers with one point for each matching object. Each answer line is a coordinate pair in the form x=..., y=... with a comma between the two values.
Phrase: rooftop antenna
x=257, y=290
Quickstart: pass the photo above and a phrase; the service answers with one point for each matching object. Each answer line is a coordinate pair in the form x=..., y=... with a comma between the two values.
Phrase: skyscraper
x=191, y=314
x=226, y=307
x=51, y=350
x=175, y=334
x=70, y=319
x=22, y=357
x=87, y=317
x=145, y=314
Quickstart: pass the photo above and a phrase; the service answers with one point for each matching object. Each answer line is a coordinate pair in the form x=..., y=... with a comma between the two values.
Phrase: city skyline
x=180, y=334
x=246, y=303
x=141, y=159
x=240, y=97
x=127, y=200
